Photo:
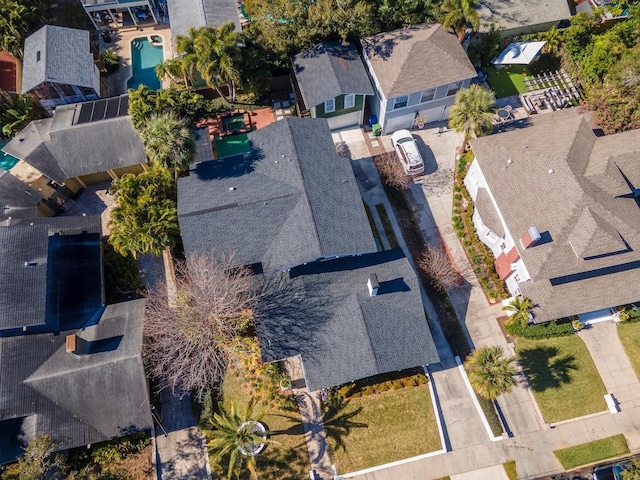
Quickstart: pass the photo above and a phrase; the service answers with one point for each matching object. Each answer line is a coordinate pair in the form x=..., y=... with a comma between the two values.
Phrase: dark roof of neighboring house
x=60, y=55
x=7, y=72
x=76, y=399
x=578, y=190
x=41, y=262
x=329, y=69
x=416, y=58
x=17, y=199
x=70, y=145
x=510, y=14
x=323, y=312
x=289, y=201
x=186, y=14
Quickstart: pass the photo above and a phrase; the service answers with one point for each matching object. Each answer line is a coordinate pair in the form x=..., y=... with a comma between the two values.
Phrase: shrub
x=436, y=264
x=391, y=171
x=555, y=328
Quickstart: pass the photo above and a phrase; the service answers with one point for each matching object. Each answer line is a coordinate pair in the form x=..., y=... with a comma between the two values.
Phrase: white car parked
x=408, y=152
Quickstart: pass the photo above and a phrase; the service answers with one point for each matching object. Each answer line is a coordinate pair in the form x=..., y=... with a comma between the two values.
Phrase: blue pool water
x=6, y=161
x=144, y=58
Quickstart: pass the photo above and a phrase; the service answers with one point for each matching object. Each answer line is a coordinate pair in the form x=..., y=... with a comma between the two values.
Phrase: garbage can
x=376, y=129
x=372, y=120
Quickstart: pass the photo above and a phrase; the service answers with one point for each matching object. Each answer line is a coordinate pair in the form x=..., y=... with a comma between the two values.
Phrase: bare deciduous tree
x=189, y=345
x=436, y=263
x=391, y=170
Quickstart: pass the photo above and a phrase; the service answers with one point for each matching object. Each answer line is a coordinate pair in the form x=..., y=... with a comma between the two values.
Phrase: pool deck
x=121, y=44
x=260, y=118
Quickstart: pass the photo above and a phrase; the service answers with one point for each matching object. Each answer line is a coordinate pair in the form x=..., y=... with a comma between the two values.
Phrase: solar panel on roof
x=113, y=107
x=99, y=108
x=85, y=113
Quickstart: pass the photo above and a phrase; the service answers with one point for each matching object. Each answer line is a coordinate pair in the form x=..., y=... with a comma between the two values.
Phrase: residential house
x=109, y=14
x=513, y=18
x=59, y=67
x=333, y=84
x=558, y=207
x=187, y=14
x=416, y=72
x=81, y=144
x=291, y=210
x=70, y=367
x=17, y=200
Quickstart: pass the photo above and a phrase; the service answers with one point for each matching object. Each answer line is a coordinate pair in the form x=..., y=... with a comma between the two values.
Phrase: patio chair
x=507, y=107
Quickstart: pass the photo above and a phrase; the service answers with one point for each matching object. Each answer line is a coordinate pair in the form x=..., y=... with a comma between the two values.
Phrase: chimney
x=530, y=238
x=373, y=285
x=76, y=345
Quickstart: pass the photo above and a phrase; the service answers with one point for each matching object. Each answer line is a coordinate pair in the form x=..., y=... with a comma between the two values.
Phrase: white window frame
x=432, y=91
x=402, y=104
x=454, y=88
x=330, y=105
x=349, y=100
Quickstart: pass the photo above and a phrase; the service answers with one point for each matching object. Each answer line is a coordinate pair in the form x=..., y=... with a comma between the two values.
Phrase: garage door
x=343, y=121
x=393, y=124
x=431, y=115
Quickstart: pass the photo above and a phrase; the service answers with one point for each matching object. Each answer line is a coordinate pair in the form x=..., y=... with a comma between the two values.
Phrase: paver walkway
x=612, y=363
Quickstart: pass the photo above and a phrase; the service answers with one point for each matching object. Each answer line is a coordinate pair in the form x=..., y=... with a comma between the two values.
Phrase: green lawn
x=563, y=377
x=506, y=81
x=381, y=428
x=629, y=333
x=592, y=452
x=287, y=458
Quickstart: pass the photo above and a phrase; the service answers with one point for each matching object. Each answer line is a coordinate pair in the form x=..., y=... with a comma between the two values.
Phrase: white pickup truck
x=408, y=152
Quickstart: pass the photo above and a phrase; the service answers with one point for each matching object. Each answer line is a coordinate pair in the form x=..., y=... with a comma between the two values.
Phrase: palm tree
x=490, y=373
x=456, y=14
x=632, y=470
x=553, y=37
x=520, y=310
x=17, y=19
x=239, y=435
x=472, y=112
x=168, y=141
x=16, y=111
x=173, y=70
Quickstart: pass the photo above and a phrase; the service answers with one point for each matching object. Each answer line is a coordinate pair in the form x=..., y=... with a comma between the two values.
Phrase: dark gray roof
x=186, y=14
x=323, y=312
x=62, y=148
x=60, y=55
x=509, y=14
x=416, y=58
x=17, y=199
x=76, y=399
x=289, y=201
x=329, y=69
x=204, y=149
x=589, y=255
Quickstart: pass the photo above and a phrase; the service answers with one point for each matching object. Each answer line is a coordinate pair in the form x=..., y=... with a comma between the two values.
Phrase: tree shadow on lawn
x=546, y=367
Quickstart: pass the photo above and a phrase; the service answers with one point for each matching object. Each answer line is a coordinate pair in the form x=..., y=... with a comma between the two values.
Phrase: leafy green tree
x=393, y=14
x=553, y=37
x=520, y=309
x=490, y=373
x=168, y=141
x=632, y=471
x=457, y=14
x=39, y=460
x=578, y=35
x=111, y=60
x=16, y=111
x=173, y=70
x=473, y=111
x=145, y=218
x=235, y=435
x=18, y=18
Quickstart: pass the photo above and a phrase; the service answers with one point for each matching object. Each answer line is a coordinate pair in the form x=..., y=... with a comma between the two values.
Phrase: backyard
x=562, y=376
x=510, y=80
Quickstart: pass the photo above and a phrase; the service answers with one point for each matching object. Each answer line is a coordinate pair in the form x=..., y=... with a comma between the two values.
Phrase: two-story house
x=416, y=72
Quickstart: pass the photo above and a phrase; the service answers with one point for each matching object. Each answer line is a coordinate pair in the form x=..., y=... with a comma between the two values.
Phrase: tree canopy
x=168, y=141
x=18, y=18
x=490, y=372
x=16, y=111
x=473, y=111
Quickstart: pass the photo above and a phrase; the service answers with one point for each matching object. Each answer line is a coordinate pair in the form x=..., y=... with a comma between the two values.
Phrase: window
x=427, y=95
x=349, y=101
x=453, y=88
x=330, y=105
x=517, y=278
x=400, y=102
x=503, y=246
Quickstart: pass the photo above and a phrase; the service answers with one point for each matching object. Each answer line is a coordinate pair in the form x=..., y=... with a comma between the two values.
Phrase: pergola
x=550, y=90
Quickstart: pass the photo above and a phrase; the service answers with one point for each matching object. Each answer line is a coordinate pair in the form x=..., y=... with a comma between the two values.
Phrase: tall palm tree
x=168, y=141
x=553, y=37
x=490, y=373
x=520, y=310
x=240, y=435
x=472, y=112
x=456, y=14
x=174, y=70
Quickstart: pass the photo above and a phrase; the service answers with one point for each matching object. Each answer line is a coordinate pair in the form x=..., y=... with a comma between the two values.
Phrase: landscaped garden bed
x=562, y=377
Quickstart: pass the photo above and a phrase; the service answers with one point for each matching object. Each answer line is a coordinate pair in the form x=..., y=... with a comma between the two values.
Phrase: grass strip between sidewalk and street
x=629, y=334
x=386, y=224
x=592, y=452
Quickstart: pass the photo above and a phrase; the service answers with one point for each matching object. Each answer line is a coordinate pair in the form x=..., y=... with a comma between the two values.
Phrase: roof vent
x=231, y=189
x=30, y=264
x=76, y=345
x=550, y=171
x=373, y=285
x=530, y=238
x=509, y=161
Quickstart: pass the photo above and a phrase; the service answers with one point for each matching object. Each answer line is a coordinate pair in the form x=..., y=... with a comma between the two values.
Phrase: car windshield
x=405, y=140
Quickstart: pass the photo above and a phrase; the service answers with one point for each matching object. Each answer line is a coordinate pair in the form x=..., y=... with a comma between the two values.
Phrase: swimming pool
x=6, y=161
x=232, y=145
x=144, y=58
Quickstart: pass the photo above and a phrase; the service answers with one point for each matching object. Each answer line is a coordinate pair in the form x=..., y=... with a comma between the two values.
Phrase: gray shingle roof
x=329, y=69
x=416, y=58
x=509, y=14
x=488, y=212
x=590, y=253
x=61, y=148
x=17, y=199
x=76, y=399
x=323, y=312
x=186, y=14
x=57, y=54
x=289, y=201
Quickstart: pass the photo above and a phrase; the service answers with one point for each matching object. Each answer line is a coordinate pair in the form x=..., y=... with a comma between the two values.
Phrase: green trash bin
x=376, y=129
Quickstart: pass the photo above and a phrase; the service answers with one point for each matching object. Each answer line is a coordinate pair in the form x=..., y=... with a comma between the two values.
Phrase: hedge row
x=556, y=328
